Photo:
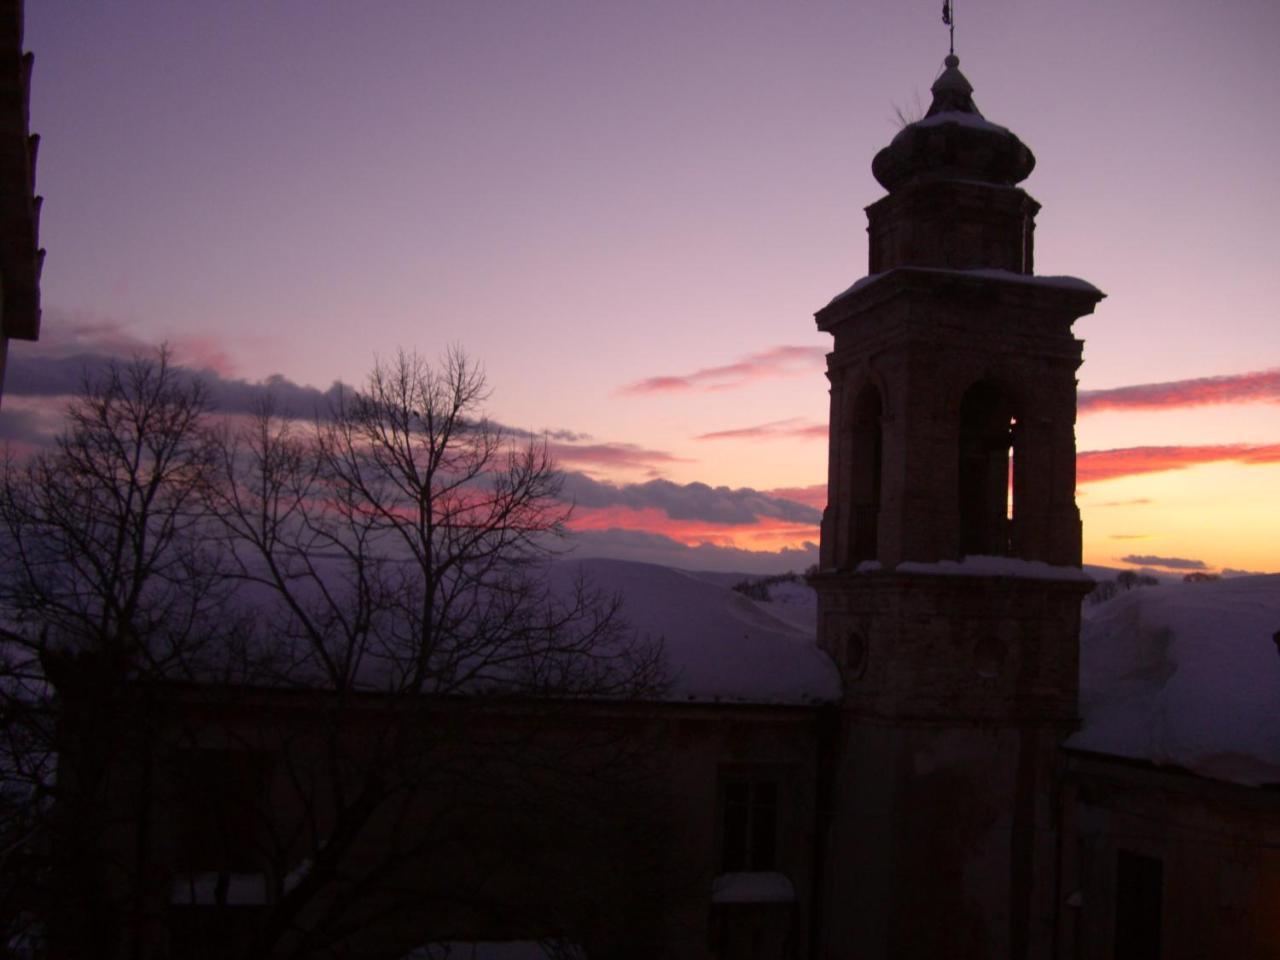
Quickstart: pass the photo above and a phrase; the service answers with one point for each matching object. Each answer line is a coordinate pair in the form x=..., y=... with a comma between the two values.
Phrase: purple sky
x=590, y=195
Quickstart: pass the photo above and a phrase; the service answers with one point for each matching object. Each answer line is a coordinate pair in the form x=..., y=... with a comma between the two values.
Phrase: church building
x=921, y=779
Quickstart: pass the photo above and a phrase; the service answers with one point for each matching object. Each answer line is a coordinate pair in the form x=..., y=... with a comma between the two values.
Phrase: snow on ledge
x=985, y=273
x=960, y=118
x=979, y=566
x=764, y=887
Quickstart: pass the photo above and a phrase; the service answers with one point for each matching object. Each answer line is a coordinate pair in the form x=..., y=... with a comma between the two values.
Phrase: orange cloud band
x=764, y=534
x=1095, y=465
x=1261, y=386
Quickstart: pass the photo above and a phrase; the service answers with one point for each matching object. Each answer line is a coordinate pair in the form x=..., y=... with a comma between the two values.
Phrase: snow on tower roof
x=953, y=142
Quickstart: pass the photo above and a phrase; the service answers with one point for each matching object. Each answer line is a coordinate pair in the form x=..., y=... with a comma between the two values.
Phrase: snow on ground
x=752, y=888
x=1186, y=674
x=795, y=603
x=721, y=646
x=497, y=950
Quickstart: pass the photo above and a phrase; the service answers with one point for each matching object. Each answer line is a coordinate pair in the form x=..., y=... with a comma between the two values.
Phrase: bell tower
x=949, y=586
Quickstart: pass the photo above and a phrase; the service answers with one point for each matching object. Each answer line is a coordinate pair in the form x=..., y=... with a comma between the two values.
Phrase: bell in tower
x=949, y=586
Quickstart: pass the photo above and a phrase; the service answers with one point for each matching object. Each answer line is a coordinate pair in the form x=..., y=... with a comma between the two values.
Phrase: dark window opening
x=222, y=796
x=749, y=825
x=988, y=459
x=1139, y=890
x=868, y=465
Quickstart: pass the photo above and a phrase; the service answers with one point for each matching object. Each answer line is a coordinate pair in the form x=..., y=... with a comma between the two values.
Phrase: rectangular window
x=749, y=824
x=1139, y=895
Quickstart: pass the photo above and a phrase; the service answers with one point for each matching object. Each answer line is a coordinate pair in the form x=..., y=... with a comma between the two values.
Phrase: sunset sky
x=628, y=212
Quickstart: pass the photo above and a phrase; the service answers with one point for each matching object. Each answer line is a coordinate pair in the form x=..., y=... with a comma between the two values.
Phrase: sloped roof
x=721, y=646
x=1186, y=674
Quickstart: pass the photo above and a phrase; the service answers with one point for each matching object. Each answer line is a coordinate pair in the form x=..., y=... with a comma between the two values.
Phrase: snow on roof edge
x=1059, y=282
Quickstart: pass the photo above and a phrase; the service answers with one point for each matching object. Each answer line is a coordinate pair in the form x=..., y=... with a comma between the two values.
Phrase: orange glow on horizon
x=765, y=534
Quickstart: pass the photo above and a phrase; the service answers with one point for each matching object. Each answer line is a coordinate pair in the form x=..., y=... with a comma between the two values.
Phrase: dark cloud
x=655, y=548
x=23, y=426
x=1168, y=563
x=38, y=375
x=565, y=436
x=689, y=501
x=558, y=435
x=289, y=399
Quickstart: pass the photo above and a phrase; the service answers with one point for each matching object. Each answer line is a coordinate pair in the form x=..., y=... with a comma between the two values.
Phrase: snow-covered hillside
x=1186, y=674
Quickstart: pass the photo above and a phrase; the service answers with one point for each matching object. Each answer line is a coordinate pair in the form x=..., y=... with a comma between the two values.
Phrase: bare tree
x=404, y=541
x=107, y=576
x=304, y=682
x=406, y=537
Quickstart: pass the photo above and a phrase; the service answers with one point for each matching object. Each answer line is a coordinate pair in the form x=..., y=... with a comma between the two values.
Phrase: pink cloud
x=1261, y=386
x=626, y=456
x=774, y=430
x=781, y=361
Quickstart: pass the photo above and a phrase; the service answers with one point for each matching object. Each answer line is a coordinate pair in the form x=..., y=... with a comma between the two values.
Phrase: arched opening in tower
x=988, y=462
x=868, y=464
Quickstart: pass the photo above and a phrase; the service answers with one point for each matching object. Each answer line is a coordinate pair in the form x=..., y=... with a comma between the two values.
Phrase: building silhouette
x=21, y=258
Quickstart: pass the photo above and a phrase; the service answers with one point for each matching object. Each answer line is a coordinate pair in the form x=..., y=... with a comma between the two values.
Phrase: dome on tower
x=953, y=142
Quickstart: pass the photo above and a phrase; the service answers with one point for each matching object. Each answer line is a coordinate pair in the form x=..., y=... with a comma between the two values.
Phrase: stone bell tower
x=949, y=586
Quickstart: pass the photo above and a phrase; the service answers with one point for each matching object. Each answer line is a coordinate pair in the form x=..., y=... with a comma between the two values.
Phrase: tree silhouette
x=300, y=682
